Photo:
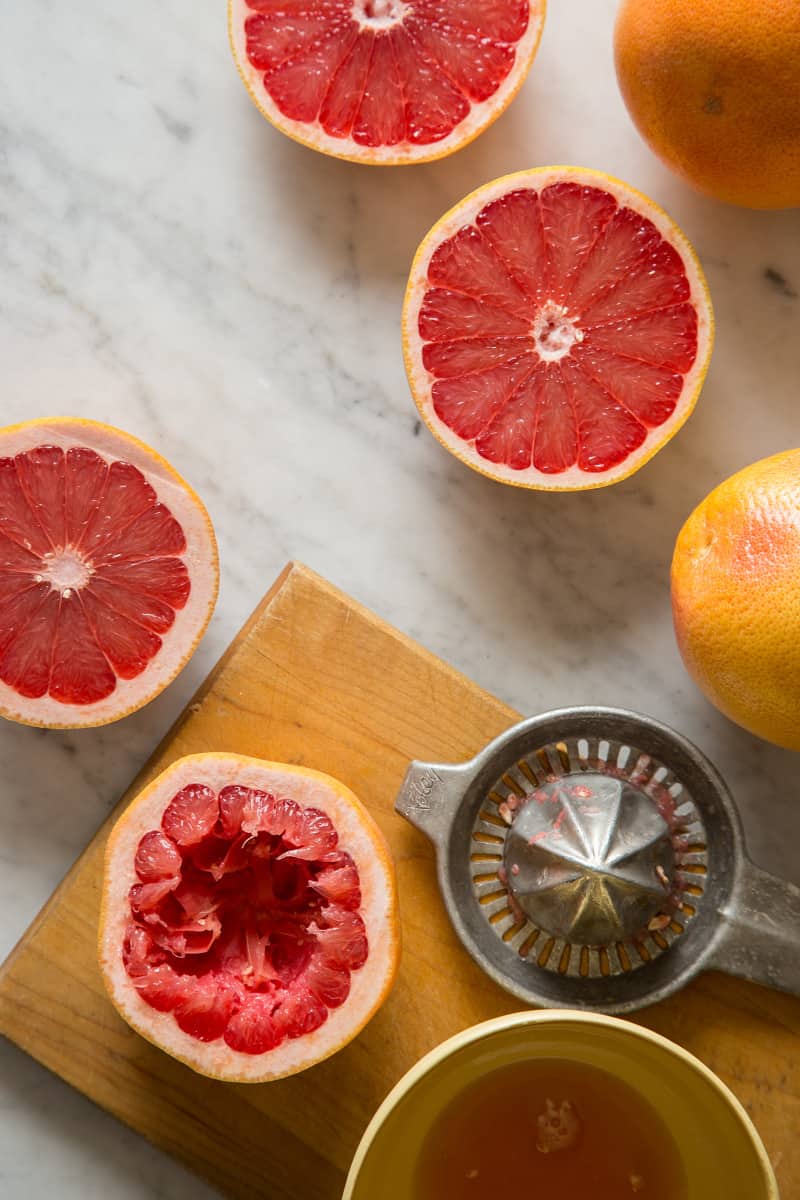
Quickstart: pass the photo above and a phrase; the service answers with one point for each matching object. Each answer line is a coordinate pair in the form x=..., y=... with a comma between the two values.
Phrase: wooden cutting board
x=313, y=678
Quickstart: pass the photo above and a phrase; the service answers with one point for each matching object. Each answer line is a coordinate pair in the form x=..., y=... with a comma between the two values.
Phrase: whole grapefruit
x=736, y=597
x=713, y=86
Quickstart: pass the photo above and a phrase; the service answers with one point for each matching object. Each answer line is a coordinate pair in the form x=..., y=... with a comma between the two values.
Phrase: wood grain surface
x=315, y=679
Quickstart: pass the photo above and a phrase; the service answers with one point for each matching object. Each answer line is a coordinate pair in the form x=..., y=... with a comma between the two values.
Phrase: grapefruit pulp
x=248, y=923
x=108, y=573
x=384, y=81
x=557, y=328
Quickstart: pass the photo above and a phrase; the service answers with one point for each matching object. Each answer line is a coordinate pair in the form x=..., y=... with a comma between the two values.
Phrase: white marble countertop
x=172, y=265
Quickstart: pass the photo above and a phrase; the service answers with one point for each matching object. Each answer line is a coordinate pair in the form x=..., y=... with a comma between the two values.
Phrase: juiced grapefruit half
x=248, y=923
x=384, y=81
x=108, y=573
x=557, y=329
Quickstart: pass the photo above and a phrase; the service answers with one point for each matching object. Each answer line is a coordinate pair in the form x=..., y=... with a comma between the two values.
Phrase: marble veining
x=172, y=265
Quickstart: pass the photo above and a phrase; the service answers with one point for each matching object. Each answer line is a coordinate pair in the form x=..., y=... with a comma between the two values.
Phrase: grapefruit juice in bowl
x=560, y=1100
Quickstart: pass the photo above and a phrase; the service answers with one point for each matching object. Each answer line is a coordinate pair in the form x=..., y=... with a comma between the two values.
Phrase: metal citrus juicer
x=593, y=858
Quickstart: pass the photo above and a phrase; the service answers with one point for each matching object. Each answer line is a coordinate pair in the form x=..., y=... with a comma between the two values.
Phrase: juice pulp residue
x=551, y=1128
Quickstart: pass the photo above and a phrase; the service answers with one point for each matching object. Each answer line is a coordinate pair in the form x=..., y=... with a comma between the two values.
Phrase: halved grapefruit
x=384, y=81
x=108, y=573
x=248, y=923
x=557, y=329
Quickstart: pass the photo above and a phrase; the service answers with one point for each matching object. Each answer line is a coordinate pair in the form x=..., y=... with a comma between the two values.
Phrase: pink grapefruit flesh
x=108, y=573
x=248, y=924
x=387, y=81
x=557, y=329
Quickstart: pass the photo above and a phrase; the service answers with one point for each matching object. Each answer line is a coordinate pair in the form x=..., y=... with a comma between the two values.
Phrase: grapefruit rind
x=201, y=557
x=313, y=136
x=359, y=835
x=421, y=380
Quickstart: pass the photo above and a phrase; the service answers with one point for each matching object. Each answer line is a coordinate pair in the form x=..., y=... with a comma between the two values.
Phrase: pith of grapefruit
x=712, y=86
x=384, y=81
x=557, y=329
x=736, y=597
x=108, y=573
x=248, y=923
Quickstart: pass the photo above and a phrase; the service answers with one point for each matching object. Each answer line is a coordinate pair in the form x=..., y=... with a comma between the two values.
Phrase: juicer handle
x=760, y=935
x=430, y=797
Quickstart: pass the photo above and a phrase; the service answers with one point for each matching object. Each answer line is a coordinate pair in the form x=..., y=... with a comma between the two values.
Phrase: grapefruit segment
x=476, y=66
x=299, y=1013
x=327, y=983
x=512, y=225
x=157, y=857
x=379, y=119
x=151, y=612
x=29, y=634
x=342, y=101
x=496, y=20
x=299, y=84
x=449, y=316
x=84, y=485
x=573, y=218
x=630, y=269
x=384, y=81
x=510, y=433
x=468, y=403
x=463, y=357
x=80, y=673
x=248, y=922
x=555, y=448
x=251, y=1030
x=434, y=105
x=467, y=263
x=339, y=883
x=160, y=987
x=145, y=897
x=556, y=329
x=41, y=478
x=126, y=645
x=108, y=573
x=204, y=1011
x=165, y=579
x=151, y=533
x=191, y=815
x=17, y=522
x=665, y=337
x=122, y=498
x=649, y=392
x=11, y=583
x=607, y=433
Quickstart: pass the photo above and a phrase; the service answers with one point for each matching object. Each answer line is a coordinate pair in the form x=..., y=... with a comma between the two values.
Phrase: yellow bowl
x=722, y=1153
